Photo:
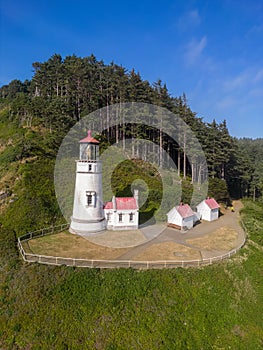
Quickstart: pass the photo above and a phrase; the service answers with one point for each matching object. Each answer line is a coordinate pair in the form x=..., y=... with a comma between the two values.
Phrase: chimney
x=136, y=196
x=114, y=203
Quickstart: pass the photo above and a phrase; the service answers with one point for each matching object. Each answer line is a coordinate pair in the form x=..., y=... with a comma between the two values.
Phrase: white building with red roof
x=181, y=217
x=122, y=213
x=208, y=209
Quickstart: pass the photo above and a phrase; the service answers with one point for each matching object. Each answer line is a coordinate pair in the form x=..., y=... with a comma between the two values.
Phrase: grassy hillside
x=45, y=307
x=216, y=307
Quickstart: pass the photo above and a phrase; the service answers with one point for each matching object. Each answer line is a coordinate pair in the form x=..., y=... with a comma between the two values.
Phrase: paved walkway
x=230, y=220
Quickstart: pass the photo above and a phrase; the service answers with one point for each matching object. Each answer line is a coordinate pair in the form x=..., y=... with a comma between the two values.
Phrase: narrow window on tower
x=131, y=217
x=89, y=199
x=120, y=217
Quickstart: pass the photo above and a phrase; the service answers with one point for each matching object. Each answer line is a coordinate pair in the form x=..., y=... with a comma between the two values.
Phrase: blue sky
x=211, y=50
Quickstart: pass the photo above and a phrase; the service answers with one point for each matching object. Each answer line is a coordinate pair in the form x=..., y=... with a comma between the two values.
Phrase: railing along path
x=97, y=263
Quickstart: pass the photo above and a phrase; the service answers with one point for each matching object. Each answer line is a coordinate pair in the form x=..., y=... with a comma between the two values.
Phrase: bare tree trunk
x=178, y=162
x=193, y=169
x=168, y=155
x=223, y=171
x=123, y=133
x=117, y=127
x=199, y=175
x=133, y=152
x=78, y=100
x=184, y=150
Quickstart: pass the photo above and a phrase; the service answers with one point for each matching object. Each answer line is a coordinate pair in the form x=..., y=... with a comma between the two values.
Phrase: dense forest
x=62, y=91
x=48, y=307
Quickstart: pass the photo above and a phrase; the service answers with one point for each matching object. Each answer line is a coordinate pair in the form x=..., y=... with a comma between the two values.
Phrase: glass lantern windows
x=89, y=152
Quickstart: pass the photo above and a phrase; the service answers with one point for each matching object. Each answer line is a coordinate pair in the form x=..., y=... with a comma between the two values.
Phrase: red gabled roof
x=122, y=203
x=108, y=205
x=184, y=210
x=89, y=138
x=212, y=203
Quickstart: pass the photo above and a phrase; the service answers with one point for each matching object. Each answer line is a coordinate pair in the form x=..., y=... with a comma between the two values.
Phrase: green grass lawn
x=214, y=307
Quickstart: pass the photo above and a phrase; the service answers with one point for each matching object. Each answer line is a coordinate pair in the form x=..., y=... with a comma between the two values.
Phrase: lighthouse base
x=86, y=226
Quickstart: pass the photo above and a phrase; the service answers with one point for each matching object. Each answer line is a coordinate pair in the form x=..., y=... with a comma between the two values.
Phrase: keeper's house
x=208, y=209
x=181, y=217
x=122, y=213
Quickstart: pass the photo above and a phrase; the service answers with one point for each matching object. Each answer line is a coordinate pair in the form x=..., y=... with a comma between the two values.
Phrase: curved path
x=205, y=240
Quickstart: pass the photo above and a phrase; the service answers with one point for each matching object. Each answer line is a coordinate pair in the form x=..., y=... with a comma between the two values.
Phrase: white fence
x=92, y=263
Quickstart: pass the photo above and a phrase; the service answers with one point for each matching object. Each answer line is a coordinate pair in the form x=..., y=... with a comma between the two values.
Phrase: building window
x=89, y=199
x=108, y=216
x=90, y=167
x=131, y=216
x=120, y=217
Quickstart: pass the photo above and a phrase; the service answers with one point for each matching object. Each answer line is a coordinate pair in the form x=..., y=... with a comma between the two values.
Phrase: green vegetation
x=62, y=91
x=45, y=307
x=216, y=307
x=252, y=217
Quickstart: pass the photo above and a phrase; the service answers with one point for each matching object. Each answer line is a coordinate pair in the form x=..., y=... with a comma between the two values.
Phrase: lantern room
x=89, y=149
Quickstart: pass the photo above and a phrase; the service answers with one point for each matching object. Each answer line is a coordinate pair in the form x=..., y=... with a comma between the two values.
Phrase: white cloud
x=237, y=82
x=194, y=50
x=226, y=102
x=194, y=18
x=257, y=92
x=245, y=79
x=189, y=20
x=256, y=29
x=258, y=76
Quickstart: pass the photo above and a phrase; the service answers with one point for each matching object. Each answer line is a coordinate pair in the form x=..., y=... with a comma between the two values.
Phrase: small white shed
x=208, y=209
x=181, y=217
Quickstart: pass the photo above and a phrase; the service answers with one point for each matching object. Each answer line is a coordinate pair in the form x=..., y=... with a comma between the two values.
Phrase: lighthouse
x=88, y=214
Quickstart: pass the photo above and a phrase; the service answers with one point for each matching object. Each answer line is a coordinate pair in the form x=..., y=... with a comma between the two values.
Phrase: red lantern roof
x=89, y=139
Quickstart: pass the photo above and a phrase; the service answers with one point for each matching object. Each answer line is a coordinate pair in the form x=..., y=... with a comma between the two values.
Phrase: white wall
x=88, y=218
x=125, y=224
x=188, y=222
x=174, y=218
x=214, y=214
x=206, y=213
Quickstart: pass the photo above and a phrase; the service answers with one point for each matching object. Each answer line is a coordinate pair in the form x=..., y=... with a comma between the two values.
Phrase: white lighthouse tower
x=88, y=214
